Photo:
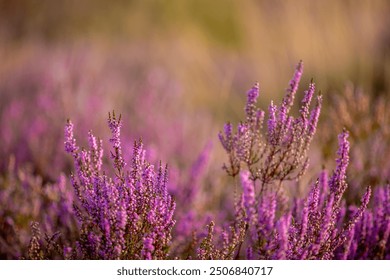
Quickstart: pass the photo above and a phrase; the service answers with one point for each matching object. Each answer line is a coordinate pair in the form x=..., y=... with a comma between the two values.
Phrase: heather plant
x=127, y=216
x=316, y=227
x=281, y=154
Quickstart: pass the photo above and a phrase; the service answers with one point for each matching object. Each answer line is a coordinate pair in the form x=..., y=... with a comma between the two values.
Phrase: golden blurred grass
x=215, y=49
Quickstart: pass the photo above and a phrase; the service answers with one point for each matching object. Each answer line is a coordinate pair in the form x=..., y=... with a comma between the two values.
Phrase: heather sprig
x=321, y=226
x=280, y=154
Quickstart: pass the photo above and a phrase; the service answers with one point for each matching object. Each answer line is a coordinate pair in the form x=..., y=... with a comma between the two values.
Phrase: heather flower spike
x=337, y=182
x=288, y=99
x=115, y=127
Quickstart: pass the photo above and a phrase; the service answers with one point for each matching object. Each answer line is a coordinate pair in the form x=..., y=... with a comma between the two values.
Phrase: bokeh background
x=177, y=71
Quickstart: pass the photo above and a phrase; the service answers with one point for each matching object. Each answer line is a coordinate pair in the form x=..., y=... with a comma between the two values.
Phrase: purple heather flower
x=96, y=151
x=226, y=140
x=250, y=107
x=337, y=182
x=115, y=127
x=272, y=123
x=148, y=248
x=364, y=202
x=259, y=119
x=228, y=130
x=315, y=113
x=306, y=106
x=249, y=253
x=253, y=94
x=70, y=142
x=242, y=141
x=282, y=226
x=293, y=86
x=282, y=115
x=248, y=195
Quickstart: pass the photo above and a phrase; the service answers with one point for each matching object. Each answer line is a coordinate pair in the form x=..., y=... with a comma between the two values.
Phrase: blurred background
x=201, y=41
x=178, y=70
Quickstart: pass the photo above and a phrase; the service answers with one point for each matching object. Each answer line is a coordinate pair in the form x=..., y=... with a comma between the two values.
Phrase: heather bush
x=127, y=216
x=129, y=207
x=316, y=227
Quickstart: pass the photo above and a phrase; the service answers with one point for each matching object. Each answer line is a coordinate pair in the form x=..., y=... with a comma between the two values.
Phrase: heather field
x=194, y=129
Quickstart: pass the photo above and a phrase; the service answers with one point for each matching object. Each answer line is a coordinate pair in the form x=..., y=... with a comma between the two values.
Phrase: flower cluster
x=369, y=239
x=319, y=226
x=127, y=216
x=281, y=153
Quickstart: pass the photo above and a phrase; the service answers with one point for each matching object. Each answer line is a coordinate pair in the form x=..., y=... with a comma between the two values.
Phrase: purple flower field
x=150, y=148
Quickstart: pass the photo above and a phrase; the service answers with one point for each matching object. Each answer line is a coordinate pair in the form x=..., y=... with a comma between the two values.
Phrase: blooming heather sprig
x=288, y=99
x=115, y=126
x=228, y=143
x=319, y=231
x=338, y=182
x=70, y=141
x=282, y=154
x=248, y=197
x=129, y=216
x=147, y=249
x=250, y=107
